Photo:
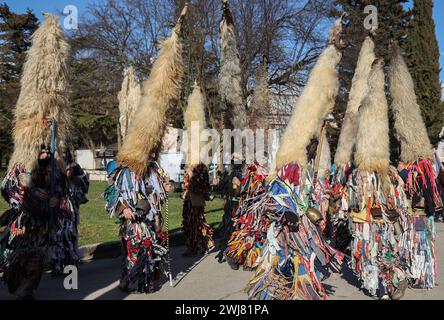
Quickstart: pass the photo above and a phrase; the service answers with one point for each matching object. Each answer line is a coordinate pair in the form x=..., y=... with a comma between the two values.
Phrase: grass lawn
x=97, y=226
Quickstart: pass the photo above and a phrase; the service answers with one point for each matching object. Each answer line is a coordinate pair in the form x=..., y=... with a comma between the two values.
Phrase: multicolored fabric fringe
x=420, y=186
x=250, y=222
x=295, y=256
x=418, y=251
x=338, y=222
x=418, y=242
x=142, y=239
x=377, y=205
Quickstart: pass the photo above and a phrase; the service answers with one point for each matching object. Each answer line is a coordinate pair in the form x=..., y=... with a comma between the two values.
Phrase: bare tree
x=119, y=33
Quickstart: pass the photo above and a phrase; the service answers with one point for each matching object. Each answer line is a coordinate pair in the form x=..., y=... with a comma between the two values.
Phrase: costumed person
x=417, y=170
x=66, y=244
x=339, y=223
x=250, y=226
x=198, y=233
x=375, y=199
x=231, y=189
x=321, y=192
x=36, y=186
x=234, y=116
x=439, y=172
x=295, y=256
x=139, y=182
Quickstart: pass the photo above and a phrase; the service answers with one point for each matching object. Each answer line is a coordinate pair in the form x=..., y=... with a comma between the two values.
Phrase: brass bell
x=314, y=215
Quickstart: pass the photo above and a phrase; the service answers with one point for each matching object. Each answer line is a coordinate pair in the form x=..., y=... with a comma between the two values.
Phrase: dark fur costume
x=29, y=238
x=198, y=233
x=226, y=227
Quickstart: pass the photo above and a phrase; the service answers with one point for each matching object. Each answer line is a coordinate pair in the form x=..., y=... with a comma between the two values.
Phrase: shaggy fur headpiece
x=372, y=144
x=410, y=127
x=195, y=113
x=260, y=105
x=358, y=91
x=43, y=95
x=129, y=97
x=160, y=91
x=233, y=107
x=324, y=169
x=313, y=105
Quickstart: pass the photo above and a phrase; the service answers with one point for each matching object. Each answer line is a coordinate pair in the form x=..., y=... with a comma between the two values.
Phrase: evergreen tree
x=15, y=40
x=422, y=57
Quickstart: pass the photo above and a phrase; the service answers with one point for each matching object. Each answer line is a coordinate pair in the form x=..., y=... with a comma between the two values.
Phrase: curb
x=112, y=249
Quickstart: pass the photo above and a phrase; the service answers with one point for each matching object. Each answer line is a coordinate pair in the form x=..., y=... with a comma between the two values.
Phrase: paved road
x=205, y=279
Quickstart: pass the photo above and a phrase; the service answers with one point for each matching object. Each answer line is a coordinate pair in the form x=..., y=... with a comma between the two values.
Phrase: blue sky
x=438, y=14
x=57, y=6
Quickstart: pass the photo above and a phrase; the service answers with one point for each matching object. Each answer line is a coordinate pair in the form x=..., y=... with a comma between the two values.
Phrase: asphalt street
x=202, y=277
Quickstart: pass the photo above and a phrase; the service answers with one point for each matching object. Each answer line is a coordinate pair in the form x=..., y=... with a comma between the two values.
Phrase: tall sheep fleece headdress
x=43, y=95
x=372, y=142
x=160, y=90
x=409, y=125
x=324, y=160
x=230, y=88
x=313, y=105
x=194, y=115
x=260, y=104
x=358, y=91
x=129, y=97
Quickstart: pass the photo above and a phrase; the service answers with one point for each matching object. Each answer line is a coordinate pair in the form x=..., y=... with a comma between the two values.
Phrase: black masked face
x=43, y=163
x=44, y=157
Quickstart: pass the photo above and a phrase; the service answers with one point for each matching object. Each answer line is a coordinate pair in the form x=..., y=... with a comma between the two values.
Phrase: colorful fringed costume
x=416, y=169
x=30, y=239
x=65, y=250
x=198, y=233
x=376, y=204
x=36, y=186
x=339, y=222
x=417, y=243
x=139, y=190
x=143, y=241
x=295, y=256
x=250, y=224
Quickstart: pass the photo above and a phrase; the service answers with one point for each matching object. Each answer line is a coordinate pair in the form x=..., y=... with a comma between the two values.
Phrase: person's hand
x=54, y=202
x=236, y=182
x=19, y=231
x=168, y=186
x=69, y=171
x=128, y=214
